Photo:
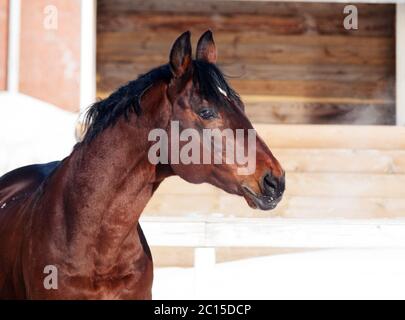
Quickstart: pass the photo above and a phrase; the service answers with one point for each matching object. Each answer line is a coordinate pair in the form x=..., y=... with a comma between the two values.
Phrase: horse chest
x=76, y=276
x=63, y=283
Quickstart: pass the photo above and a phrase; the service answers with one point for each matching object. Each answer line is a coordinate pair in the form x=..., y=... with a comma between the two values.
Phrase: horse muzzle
x=272, y=189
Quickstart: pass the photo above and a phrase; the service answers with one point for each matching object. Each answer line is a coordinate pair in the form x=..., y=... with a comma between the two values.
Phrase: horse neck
x=109, y=181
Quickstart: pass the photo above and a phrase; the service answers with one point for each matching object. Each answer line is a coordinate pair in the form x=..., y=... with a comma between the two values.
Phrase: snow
x=32, y=131
x=324, y=274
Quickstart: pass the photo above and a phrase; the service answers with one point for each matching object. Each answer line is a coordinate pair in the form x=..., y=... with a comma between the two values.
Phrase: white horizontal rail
x=274, y=232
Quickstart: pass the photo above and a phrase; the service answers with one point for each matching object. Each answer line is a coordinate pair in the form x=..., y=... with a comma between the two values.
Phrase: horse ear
x=206, y=49
x=180, y=54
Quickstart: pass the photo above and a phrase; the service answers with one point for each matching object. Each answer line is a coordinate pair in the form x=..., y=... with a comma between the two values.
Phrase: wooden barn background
x=293, y=63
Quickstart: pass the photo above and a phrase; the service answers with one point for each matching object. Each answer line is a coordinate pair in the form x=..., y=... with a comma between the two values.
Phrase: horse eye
x=207, y=114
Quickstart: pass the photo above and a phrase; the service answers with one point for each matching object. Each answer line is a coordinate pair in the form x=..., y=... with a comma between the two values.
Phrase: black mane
x=127, y=99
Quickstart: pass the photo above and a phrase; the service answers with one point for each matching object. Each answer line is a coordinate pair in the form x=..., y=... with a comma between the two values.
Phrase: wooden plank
x=182, y=204
x=177, y=185
x=251, y=99
x=342, y=160
x=264, y=70
x=273, y=24
x=263, y=7
x=331, y=136
x=316, y=88
x=282, y=18
x=298, y=112
x=252, y=47
x=304, y=207
x=332, y=161
x=3, y=42
x=345, y=185
x=314, y=185
x=181, y=257
x=287, y=233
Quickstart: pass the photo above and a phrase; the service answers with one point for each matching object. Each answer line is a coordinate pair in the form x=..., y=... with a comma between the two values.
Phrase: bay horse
x=80, y=215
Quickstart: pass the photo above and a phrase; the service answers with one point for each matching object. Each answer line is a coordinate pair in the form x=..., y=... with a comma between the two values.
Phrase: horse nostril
x=270, y=184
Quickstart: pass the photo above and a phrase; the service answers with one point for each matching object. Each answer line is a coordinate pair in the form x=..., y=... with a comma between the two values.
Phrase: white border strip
x=13, y=68
x=88, y=53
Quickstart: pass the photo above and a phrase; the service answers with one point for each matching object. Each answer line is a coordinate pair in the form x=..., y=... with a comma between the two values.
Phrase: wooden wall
x=353, y=172
x=3, y=43
x=50, y=58
x=291, y=62
x=332, y=172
